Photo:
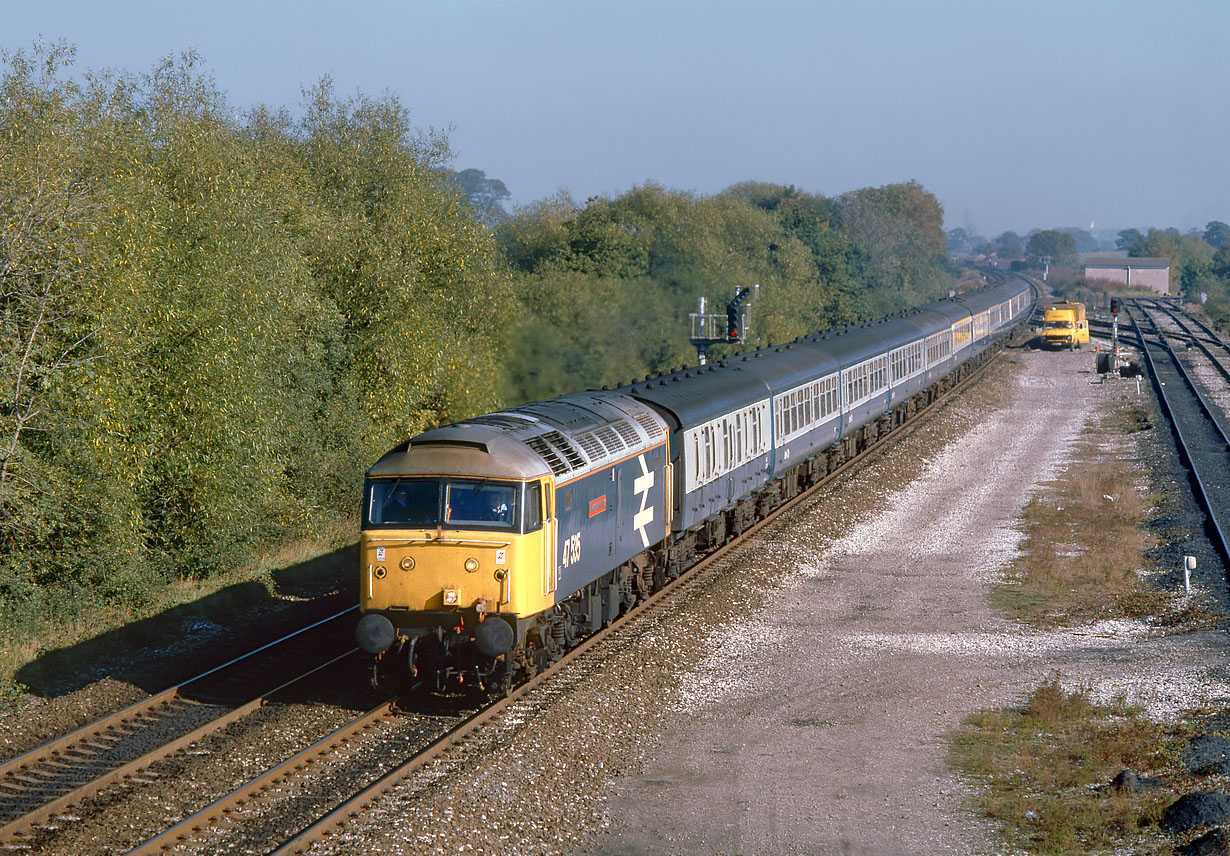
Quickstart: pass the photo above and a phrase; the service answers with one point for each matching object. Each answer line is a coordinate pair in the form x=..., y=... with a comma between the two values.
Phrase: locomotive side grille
x=652, y=428
x=610, y=439
x=592, y=447
x=554, y=461
x=627, y=432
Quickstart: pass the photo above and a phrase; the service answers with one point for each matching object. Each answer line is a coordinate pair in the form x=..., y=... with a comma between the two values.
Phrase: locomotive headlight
x=471, y=565
x=450, y=597
x=381, y=571
x=407, y=563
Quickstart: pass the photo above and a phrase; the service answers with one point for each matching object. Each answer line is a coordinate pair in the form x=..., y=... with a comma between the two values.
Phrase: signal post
x=708, y=328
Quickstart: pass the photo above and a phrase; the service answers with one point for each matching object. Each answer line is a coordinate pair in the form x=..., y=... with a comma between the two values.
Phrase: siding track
x=1199, y=428
x=48, y=782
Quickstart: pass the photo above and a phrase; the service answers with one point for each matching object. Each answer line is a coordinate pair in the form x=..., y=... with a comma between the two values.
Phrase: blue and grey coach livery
x=490, y=546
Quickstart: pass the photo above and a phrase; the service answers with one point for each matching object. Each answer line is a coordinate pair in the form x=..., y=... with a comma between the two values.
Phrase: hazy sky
x=1035, y=114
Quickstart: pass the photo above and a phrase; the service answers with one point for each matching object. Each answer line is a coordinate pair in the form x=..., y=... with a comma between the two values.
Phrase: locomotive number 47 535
x=571, y=550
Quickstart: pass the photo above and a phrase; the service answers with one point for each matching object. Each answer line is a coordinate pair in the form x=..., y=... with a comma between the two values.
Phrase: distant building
x=1148, y=273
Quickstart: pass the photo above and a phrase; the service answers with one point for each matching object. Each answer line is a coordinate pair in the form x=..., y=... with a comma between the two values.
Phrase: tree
x=1085, y=242
x=1051, y=247
x=1216, y=233
x=1221, y=263
x=210, y=328
x=48, y=206
x=901, y=228
x=487, y=195
x=960, y=241
x=1129, y=239
x=1190, y=257
x=1009, y=245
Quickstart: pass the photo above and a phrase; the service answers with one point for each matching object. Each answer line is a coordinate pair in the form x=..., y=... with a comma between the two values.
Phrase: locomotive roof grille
x=589, y=443
x=571, y=455
x=557, y=464
x=626, y=432
x=502, y=420
x=614, y=445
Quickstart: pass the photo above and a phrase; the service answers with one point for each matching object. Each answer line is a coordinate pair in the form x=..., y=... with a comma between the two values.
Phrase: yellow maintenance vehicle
x=1064, y=325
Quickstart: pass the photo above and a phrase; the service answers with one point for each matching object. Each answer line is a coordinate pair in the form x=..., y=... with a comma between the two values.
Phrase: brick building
x=1148, y=273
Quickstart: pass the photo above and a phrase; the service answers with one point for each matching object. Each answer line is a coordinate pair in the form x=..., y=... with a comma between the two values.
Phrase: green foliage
x=1191, y=259
x=1050, y=247
x=487, y=195
x=1216, y=234
x=1009, y=246
x=213, y=326
x=214, y=323
x=1039, y=771
x=604, y=291
x=1128, y=239
x=900, y=228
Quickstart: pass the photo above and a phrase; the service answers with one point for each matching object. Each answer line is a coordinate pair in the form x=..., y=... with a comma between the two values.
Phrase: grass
x=1044, y=770
x=1087, y=552
x=27, y=636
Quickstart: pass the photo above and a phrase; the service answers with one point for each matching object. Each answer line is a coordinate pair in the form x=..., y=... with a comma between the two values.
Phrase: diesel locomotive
x=491, y=546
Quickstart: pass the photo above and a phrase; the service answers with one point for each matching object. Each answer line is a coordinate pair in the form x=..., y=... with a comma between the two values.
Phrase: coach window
x=696, y=445
x=709, y=451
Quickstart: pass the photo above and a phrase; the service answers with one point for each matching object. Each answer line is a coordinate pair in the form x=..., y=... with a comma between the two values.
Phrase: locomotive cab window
x=533, y=506
x=448, y=503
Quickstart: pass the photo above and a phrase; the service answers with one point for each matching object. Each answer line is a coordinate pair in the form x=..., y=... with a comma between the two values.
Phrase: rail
x=1184, y=439
x=62, y=773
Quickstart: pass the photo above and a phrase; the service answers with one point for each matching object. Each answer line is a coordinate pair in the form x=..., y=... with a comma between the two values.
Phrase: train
x=491, y=546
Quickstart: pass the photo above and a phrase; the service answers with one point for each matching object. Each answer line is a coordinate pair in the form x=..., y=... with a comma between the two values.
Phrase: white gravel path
x=819, y=725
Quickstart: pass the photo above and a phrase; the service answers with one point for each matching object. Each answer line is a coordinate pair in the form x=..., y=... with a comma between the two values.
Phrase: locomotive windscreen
x=448, y=503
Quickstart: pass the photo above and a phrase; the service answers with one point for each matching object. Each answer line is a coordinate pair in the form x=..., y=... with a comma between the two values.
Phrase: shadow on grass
x=187, y=640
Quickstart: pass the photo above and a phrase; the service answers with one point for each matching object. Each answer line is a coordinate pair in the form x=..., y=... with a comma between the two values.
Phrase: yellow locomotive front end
x=455, y=546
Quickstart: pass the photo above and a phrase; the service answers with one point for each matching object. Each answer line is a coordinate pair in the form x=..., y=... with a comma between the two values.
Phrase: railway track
x=45, y=784
x=483, y=734
x=301, y=799
x=1200, y=429
x=1209, y=362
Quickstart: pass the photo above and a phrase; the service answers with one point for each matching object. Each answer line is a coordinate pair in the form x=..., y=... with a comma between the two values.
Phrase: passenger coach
x=490, y=546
